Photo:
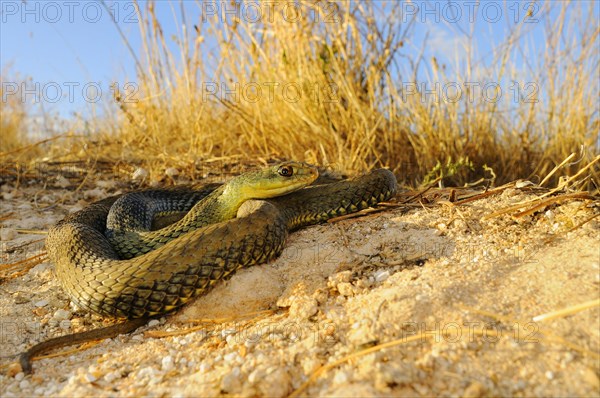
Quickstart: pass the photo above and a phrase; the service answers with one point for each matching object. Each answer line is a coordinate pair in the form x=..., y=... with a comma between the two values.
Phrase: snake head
x=275, y=180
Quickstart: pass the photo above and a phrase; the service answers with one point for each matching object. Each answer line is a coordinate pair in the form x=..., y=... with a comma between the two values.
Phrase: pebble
x=153, y=322
x=381, y=276
x=24, y=384
x=61, y=315
x=41, y=303
x=90, y=378
x=65, y=324
x=167, y=363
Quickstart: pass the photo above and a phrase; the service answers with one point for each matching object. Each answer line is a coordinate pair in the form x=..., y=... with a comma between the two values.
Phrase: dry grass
x=350, y=112
x=13, y=119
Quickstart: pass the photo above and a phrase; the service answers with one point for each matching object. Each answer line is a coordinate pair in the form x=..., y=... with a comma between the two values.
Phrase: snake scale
x=187, y=263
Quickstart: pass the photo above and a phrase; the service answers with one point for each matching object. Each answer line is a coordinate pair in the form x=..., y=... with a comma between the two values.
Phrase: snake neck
x=228, y=199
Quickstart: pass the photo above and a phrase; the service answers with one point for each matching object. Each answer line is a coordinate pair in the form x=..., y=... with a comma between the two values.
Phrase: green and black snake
x=109, y=260
x=164, y=269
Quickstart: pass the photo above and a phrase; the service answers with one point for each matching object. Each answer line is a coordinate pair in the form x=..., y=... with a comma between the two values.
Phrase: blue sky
x=73, y=46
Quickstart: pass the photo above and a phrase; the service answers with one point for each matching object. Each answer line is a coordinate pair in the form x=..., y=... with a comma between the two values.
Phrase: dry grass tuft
x=331, y=93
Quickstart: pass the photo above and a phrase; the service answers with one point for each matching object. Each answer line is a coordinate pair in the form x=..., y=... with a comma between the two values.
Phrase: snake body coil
x=97, y=278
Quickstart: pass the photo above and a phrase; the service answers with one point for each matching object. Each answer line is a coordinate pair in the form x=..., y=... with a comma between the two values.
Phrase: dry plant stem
x=555, y=199
x=537, y=203
x=554, y=170
x=567, y=311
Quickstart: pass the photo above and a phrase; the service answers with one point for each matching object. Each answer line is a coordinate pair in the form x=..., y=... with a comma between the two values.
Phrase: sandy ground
x=455, y=296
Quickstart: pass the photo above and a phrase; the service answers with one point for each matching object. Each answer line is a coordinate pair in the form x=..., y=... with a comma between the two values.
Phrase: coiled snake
x=164, y=269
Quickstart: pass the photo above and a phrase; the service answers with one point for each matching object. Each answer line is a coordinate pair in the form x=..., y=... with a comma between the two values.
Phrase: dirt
x=453, y=293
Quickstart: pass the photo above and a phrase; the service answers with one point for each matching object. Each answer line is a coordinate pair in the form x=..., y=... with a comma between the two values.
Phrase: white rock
x=61, y=315
x=19, y=376
x=167, y=363
x=381, y=276
x=24, y=384
x=90, y=378
x=153, y=322
x=41, y=303
x=65, y=324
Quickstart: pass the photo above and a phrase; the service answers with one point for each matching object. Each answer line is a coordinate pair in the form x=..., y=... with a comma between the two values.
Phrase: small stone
x=549, y=375
x=167, y=363
x=19, y=376
x=90, y=378
x=61, y=315
x=41, y=303
x=381, y=276
x=65, y=325
x=153, y=322
x=24, y=384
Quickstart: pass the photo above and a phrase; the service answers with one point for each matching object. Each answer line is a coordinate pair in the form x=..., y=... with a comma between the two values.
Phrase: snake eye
x=286, y=171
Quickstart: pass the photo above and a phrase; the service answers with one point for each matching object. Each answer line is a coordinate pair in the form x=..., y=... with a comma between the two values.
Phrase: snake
x=239, y=224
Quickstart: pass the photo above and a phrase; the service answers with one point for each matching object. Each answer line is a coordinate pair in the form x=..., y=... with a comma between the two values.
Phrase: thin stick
x=556, y=168
x=567, y=311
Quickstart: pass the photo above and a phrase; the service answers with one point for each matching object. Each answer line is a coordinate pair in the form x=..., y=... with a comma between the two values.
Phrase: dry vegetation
x=350, y=65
